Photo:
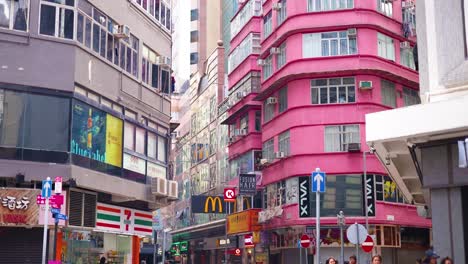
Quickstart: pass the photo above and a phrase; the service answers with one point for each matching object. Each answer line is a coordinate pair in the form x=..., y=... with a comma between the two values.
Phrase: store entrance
x=20, y=245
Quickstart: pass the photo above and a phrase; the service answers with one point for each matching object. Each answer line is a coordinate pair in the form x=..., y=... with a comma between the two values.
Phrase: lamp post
x=164, y=243
x=341, y=223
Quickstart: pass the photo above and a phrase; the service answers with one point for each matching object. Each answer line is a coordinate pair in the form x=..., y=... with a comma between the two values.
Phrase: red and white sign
x=229, y=195
x=305, y=241
x=237, y=252
x=56, y=200
x=248, y=241
x=58, y=185
x=368, y=244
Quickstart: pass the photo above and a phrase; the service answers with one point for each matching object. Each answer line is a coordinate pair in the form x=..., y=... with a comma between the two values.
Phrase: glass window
x=325, y=5
x=268, y=112
x=282, y=13
x=157, y=9
x=250, y=9
x=385, y=7
x=193, y=14
x=268, y=151
x=337, y=138
x=386, y=46
x=388, y=92
x=258, y=121
x=151, y=147
x=267, y=25
x=407, y=58
x=165, y=82
x=410, y=96
x=193, y=58
x=162, y=142
x=244, y=123
x=329, y=44
x=14, y=14
x=283, y=100
x=283, y=143
x=194, y=36
x=140, y=140
x=248, y=46
x=386, y=190
x=332, y=91
x=149, y=69
x=129, y=136
x=281, y=57
x=267, y=67
x=63, y=27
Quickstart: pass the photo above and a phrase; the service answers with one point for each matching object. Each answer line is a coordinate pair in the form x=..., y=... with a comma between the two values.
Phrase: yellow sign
x=213, y=204
x=114, y=128
x=261, y=257
x=256, y=237
x=245, y=203
x=243, y=222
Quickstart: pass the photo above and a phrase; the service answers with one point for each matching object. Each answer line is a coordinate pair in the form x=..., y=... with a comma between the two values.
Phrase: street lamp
x=341, y=223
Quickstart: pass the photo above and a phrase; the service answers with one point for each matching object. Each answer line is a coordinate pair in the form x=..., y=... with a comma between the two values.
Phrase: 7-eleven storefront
x=116, y=237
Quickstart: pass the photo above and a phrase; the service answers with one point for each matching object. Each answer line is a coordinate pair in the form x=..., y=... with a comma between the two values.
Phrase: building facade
x=425, y=152
x=84, y=91
x=302, y=76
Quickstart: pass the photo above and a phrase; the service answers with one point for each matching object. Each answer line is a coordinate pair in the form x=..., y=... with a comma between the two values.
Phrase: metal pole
x=300, y=252
x=228, y=205
x=357, y=244
x=55, y=239
x=306, y=256
x=365, y=188
x=317, y=214
x=164, y=247
x=155, y=254
x=341, y=244
x=44, y=239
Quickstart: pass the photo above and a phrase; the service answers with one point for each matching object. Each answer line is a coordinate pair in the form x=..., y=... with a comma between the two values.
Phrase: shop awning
x=394, y=135
x=211, y=229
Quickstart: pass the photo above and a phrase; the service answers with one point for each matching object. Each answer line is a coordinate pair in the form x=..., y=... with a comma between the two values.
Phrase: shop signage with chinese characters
x=17, y=207
x=242, y=222
x=120, y=219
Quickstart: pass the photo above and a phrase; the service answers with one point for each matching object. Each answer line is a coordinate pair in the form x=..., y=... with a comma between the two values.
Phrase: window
x=388, y=93
x=194, y=36
x=407, y=58
x=213, y=144
x=258, y=121
x=193, y=14
x=157, y=9
x=57, y=18
x=283, y=100
x=386, y=46
x=281, y=57
x=162, y=145
x=325, y=5
x=134, y=138
x=244, y=123
x=385, y=7
x=267, y=25
x=193, y=58
x=150, y=71
x=337, y=138
x=250, y=9
x=267, y=67
x=281, y=193
x=14, y=14
x=386, y=190
x=151, y=145
x=282, y=13
x=283, y=143
x=333, y=91
x=249, y=45
x=268, y=111
x=410, y=96
x=409, y=21
x=179, y=168
x=328, y=44
x=165, y=82
x=268, y=151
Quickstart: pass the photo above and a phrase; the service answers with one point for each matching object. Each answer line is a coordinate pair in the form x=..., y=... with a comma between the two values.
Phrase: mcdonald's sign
x=208, y=205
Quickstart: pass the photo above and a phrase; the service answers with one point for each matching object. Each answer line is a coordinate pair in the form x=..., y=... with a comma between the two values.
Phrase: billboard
x=96, y=135
x=208, y=204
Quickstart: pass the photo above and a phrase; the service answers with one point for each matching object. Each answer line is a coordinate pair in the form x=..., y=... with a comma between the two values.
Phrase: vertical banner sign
x=247, y=184
x=304, y=196
x=369, y=192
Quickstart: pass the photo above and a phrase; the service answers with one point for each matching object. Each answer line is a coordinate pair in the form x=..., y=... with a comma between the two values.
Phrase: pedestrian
x=353, y=259
x=446, y=260
x=102, y=261
x=377, y=259
x=331, y=260
x=431, y=257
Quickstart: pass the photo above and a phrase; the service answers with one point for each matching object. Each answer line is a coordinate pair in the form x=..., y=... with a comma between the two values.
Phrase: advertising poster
x=96, y=135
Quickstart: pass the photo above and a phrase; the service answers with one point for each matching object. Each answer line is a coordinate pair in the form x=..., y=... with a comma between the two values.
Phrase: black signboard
x=369, y=194
x=304, y=197
x=247, y=184
x=208, y=204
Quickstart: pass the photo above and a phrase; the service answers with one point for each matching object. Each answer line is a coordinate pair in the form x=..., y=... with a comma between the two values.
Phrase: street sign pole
x=46, y=192
x=357, y=244
x=55, y=239
x=317, y=213
x=300, y=253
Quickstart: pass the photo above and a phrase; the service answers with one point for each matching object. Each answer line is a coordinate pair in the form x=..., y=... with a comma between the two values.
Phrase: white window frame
x=57, y=18
x=327, y=5
x=12, y=18
x=342, y=136
x=267, y=69
x=268, y=112
x=148, y=58
x=388, y=93
x=152, y=13
x=248, y=46
x=268, y=149
x=267, y=24
x=385, y=46
x=313, y=44
x=284, y=144
x=407, y=58
x=385, y=7
x=282, y=13
x=331, y=85
x=250, y=9
x=281, y=57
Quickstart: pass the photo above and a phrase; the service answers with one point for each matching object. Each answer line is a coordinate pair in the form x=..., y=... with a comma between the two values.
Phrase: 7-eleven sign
x=125, y=220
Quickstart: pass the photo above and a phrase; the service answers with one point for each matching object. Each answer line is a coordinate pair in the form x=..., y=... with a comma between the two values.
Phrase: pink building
x=302, y=76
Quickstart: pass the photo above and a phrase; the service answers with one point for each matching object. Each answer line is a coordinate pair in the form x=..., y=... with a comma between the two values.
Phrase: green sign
x=184, y=246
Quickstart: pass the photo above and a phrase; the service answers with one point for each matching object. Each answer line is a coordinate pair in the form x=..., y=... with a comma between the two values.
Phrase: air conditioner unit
x=243, y=132
x=277, y=6
x=172, y=188
x=352, y=31
x=365, y=85
x=261, y=62
x=159, y=187
x=264, y=161
x=407, y=4
x=122, y=31
x=241, y=95
x=271, y=100
x=163, y=60
x=275, y=51
x=354, y=147
x=405, y=45
x=279, y=155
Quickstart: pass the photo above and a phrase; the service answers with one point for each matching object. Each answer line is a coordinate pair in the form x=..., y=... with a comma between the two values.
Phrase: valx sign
x=369, y=195
x=304, y=196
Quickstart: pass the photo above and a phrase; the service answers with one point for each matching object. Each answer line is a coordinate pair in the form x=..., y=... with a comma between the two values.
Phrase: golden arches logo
x=244, y=200
x=213, y=204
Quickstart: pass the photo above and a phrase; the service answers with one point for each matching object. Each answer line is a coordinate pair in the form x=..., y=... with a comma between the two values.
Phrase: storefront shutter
x=76, y=208
x=89, y=219
x=82, y=209
x=20, y=245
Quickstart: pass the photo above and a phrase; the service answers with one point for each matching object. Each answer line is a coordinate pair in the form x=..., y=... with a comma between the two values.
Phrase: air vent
x=82, y=209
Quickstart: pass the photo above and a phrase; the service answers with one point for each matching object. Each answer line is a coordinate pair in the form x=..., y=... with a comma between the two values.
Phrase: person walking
x=446, y=260
x=431, y=257
x=352, y=260
x=331, y=260
x=377, y=259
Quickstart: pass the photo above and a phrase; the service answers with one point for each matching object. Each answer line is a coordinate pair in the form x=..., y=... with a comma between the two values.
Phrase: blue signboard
x=46, y=188
x=318, y=181
x=61, y=217
x=55, y=211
